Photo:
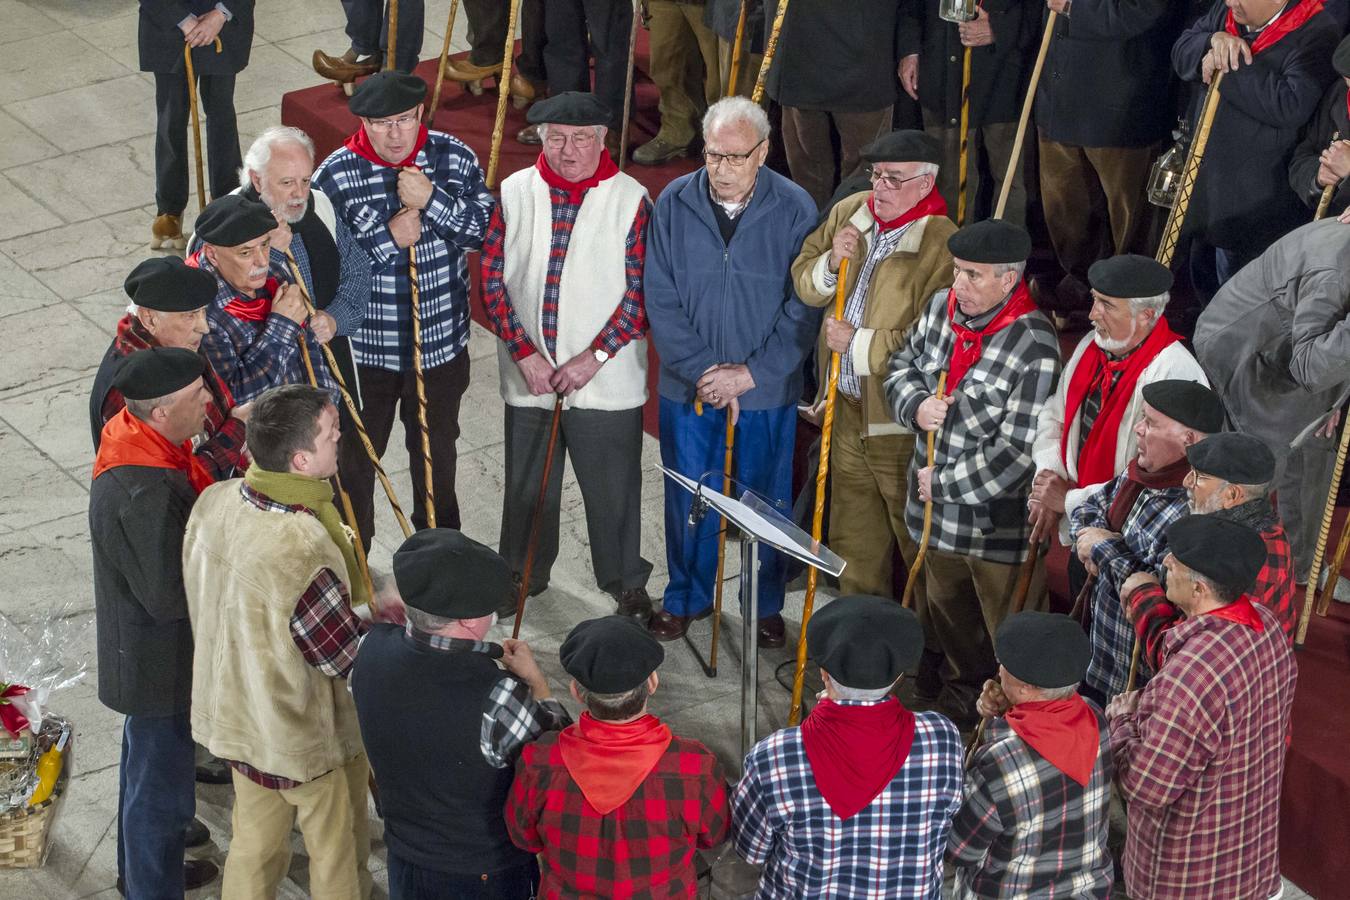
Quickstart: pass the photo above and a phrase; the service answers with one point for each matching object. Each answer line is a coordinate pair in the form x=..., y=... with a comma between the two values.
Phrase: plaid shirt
x=891, y=849
x=348, y=307
x=645, y=848
x=1201, y=760
x=1025, y=829
x=1140, y=548
x=221, y=445
x=629, y=321
x=882, y=244
x=511, y=716
x=365, y=196
x=254, y=356
x=982, y=474
x=1153, y=614
x=323, y=627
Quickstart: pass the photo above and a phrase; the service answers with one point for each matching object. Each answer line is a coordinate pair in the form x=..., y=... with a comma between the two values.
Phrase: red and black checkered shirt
x=645, y=848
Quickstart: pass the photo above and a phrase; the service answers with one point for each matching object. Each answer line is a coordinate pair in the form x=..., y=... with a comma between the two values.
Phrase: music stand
x=758, y=523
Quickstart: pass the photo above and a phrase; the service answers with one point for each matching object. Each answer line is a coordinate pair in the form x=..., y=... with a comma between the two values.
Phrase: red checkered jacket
x=645, y=848
x=1153, y=614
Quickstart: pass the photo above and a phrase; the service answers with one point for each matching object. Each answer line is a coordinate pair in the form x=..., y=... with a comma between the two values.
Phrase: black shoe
x=772, y=634
x=196, y=873
x=635, y=604
x=197, y=834
x=213, y=771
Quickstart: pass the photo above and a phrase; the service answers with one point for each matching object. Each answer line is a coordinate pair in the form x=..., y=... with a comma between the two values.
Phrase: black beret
x=1340, y=60
x=1130, y=275
x=387, y=93
x=865, y=642
x=904, y=146
x=1188, y=402
x=233, y=220
x=167, y=284
x=444, y=573
x=1236, y=458
x=1226, y=552
x=157, y=372
x=990, y=241
x=1046, y=650
x=610, y=655
x=569, y=108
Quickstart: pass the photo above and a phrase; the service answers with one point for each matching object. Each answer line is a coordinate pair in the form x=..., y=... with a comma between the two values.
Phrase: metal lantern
x=957, y=10
x=1165, y=176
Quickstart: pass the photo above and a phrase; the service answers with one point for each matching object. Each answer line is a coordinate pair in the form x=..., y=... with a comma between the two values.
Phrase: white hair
x=865, y=695
x=927, y=169
x=133, y=310
x=260, y=151
x=731, y=110
x=1059, y=693
x=1156, y=303
x=1001, y=269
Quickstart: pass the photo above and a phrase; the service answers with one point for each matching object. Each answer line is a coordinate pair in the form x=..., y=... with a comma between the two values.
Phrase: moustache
x=257, y=273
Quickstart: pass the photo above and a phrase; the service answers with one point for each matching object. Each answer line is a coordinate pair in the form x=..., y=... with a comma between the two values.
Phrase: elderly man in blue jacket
x=732, y=334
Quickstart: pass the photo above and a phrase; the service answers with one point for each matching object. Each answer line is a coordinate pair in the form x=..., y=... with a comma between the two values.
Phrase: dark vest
x=442, y=802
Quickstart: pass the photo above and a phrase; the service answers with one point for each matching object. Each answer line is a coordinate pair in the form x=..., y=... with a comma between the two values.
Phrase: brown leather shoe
x=530, y=135
x=345, y=68
x=167, y=233
x=522, y=88
x=772, y=634
x=464, y=71
x=666, y=626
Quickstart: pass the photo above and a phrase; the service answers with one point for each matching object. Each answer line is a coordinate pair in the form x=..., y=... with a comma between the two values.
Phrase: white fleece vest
x=592, y=284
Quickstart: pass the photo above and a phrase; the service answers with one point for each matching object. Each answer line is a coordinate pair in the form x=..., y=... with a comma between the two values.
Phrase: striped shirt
x=883, y=244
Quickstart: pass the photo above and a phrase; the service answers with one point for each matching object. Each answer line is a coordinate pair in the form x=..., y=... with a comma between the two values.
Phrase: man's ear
x=209, y=251
x=576, y=695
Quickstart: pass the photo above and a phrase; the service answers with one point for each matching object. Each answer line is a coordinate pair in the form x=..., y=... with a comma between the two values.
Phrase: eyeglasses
x=390, y=124
x=735, y=159
x=582, y=140
x=889, y=182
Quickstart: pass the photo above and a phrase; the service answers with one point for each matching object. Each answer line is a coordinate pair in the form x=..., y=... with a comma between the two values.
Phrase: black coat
x=1331, y=119
x=722, y=16
x=161, y=40
x=840, y=57
x=999, y=72
x=1106, y=81
x=137, y=516
x=1242, y=200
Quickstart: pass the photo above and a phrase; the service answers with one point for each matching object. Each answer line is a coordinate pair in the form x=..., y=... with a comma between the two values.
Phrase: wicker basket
x=25, y=834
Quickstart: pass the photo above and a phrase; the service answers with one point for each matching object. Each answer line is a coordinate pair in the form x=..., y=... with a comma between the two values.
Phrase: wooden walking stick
x=1015, y=158
x=196, y=120
x=429, y=492
x=1080, y=602
x=628, y=88
x=963, y=161
x=1330, y=190
x=721, y=548
x=1310, y=598
x=818, y=513
x=352, y=409
x=503, y=91
x=445, y=61
x=537, y=518
x=974, y=744
x=392, y=43
x=1172, y=233
x=1137, y=652
x=769, y=50
x=736, y=49
x=907, y=599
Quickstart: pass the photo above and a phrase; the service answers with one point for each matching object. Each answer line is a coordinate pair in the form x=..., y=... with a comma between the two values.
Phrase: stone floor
x=76, y=201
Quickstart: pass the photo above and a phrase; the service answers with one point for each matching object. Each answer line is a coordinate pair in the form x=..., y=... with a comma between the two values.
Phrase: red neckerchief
x=1064, y=732
x=969, y=343
x=1241, y=612
x=932, y=205
x=609, y=760
x=1136, y=479
x=855, y=751
x=1097, y=459
x=605, y=170
x=359, y=143
x=245, y=309
x=1286, y=24
x=127, y=441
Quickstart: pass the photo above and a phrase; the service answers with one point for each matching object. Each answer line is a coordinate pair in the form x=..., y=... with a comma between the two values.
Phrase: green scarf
x=313, y=494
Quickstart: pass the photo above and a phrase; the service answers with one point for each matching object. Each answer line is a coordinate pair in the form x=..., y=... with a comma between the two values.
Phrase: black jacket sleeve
x=153, y=521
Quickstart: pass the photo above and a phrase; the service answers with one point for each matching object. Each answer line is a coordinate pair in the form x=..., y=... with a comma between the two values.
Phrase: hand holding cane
x=1330, y=190
x=736, y=49
x=191, y=75
x=1015, y=158
x=503, y=91
x=1324, y=532
x=445, y=61
x=429, y=493
x=818, y=513
x=907, y=599
x=537, y=518
x=1186, y=186
x=351, y=408
x=722, y=546
x=769, y=50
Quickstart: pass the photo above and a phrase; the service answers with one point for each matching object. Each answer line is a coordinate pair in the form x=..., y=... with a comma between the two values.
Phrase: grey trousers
x=605, y=448
x=1301, y=487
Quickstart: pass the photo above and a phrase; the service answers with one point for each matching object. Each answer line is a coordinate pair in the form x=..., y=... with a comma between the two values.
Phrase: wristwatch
x=601, y=356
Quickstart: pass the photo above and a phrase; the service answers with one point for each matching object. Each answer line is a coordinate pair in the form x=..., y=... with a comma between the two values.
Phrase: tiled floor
x=76, y=201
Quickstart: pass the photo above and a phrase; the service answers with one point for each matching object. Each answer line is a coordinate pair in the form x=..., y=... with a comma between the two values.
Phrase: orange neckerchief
x=609, y=760
x=1064, y=732
x=127, y=441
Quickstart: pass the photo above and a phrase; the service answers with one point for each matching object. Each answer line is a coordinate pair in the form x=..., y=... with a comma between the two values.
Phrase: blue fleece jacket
x=712, y=302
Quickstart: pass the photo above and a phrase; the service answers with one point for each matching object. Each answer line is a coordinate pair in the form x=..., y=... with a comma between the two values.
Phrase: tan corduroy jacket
x=900, y=286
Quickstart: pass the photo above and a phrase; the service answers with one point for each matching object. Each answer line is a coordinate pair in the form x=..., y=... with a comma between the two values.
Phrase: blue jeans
x=411, y=882
x=368, y=28
x=156, y=800
x=694, y=445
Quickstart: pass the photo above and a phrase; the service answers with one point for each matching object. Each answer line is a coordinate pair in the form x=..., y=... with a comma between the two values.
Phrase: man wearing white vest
x=562, y=286
x=271, y=578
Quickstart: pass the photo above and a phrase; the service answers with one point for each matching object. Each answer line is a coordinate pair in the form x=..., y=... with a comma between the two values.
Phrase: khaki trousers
x=997, y=143
x=810, y=152
x=685, y=68
x=867, y=502
x=965, y=600
x=1094, y=201
x=333, y=821
x=750, y=63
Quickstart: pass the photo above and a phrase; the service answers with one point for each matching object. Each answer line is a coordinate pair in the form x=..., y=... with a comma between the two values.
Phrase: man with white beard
x=1085, y=434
